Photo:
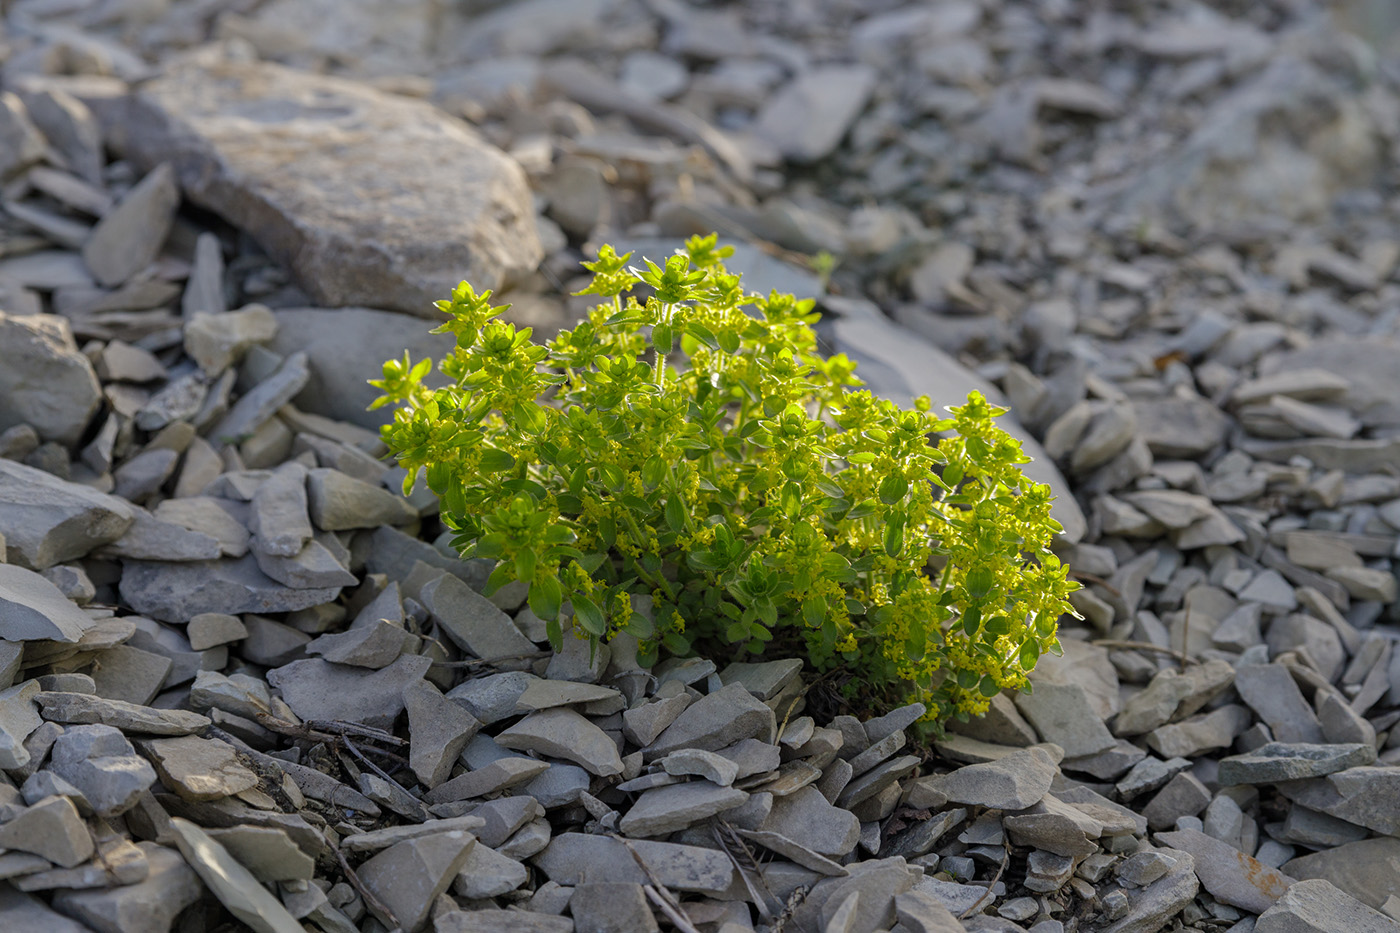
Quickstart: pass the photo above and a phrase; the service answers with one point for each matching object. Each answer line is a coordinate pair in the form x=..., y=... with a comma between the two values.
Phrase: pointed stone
x=50, y=828
x=232, y=884
x=563, y=733
x=409, y=876
x=438, y=731
x=130, y=236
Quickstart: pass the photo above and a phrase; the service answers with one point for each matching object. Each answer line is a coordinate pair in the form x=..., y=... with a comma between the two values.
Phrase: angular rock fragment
x=426, y=202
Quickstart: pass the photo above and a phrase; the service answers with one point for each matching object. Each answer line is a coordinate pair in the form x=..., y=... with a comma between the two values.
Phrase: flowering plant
x=684, y=448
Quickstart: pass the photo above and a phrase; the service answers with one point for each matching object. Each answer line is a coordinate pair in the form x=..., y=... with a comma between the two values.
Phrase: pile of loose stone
x=244, y=680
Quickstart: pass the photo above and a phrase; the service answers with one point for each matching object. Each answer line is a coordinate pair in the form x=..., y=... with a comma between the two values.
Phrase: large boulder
x=370, y=199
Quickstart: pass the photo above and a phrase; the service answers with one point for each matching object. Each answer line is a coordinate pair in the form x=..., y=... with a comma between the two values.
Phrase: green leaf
x=967, y=679
x=555, y=632
x=675, y=514
x=893, y=488
x=814, y=610
x=979, y=582
x=791, y=499
x=971, y=619
x=1030, y=654
x=525, y=562
x=894, y=536
x=988, y=686
x=736, y=632
x=728, y=341
x=703, y=334
x=640, y=626
x=999, y=625
x=607, y=530
x=589, y=616
x=661, y=338
x=653, y=471
x=495, y=461
x=546, y=597
x=676, y=643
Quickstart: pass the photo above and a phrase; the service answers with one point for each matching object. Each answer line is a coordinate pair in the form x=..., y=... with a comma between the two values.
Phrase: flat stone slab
x=176, y=592
x=1316, y=906
x=1283, y=761
x=1231, y=876
x=317, y=689
x=47, y=520
x=369, y=198
x=576, y=858
x=33, y=609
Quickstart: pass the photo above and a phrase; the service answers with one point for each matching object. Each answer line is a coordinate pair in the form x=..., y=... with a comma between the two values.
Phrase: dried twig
x=372, y=902
x=743, y=858
x=794, y=901
x=673, y=913
x=350, y=747
x=1005, y=860
x=1142, y=646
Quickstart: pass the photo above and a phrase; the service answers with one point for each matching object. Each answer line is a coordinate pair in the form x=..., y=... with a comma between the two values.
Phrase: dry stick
x=371, y=765
x=730, y=841
x=373, y=902
x=1142, y=646
x=1005, y=860
x=678, y=919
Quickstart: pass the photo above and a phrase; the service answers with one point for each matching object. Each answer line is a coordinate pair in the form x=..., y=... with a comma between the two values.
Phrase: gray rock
x=150, y=905
x=231, y=883
x=198, y=769
x=1365, y=869
x=314, y=567
x=487, y=779
x=347, y=346
x=577, y=858
x=686, y=761
x=32, y=608
x=501, y=921
x=642, y=724
x=1183, y=795
x=260, y=403
x=149, y=538
x=1231, y=876
x=806, y=119
x=1062, y=714
x=664, y=810
x=373, y=645
x=44, y=381
x=218, y=341
x=1316, y=906
x=130, y=236
x=438, y=731
x=85, y=709
x=810, y=820
x=493, y=697
x=175, y=592
x=611, y=907
x=339, y=503
x=410, y=203
x=1151, y=907
x=204, y=290
x=316, y=689
x=472, y=621
x=1366, y=796
x=1282, y=761
x=409, y=876
x=50, y=828
x=26, y=912
x=544, y=694
x=1206, y=732
x=19, y=717
x=1271, y=692
x=563, y=733
x=269, y=853
x=1014, y=782
x=487, y=873
x=722, y=718
x=100, y=762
